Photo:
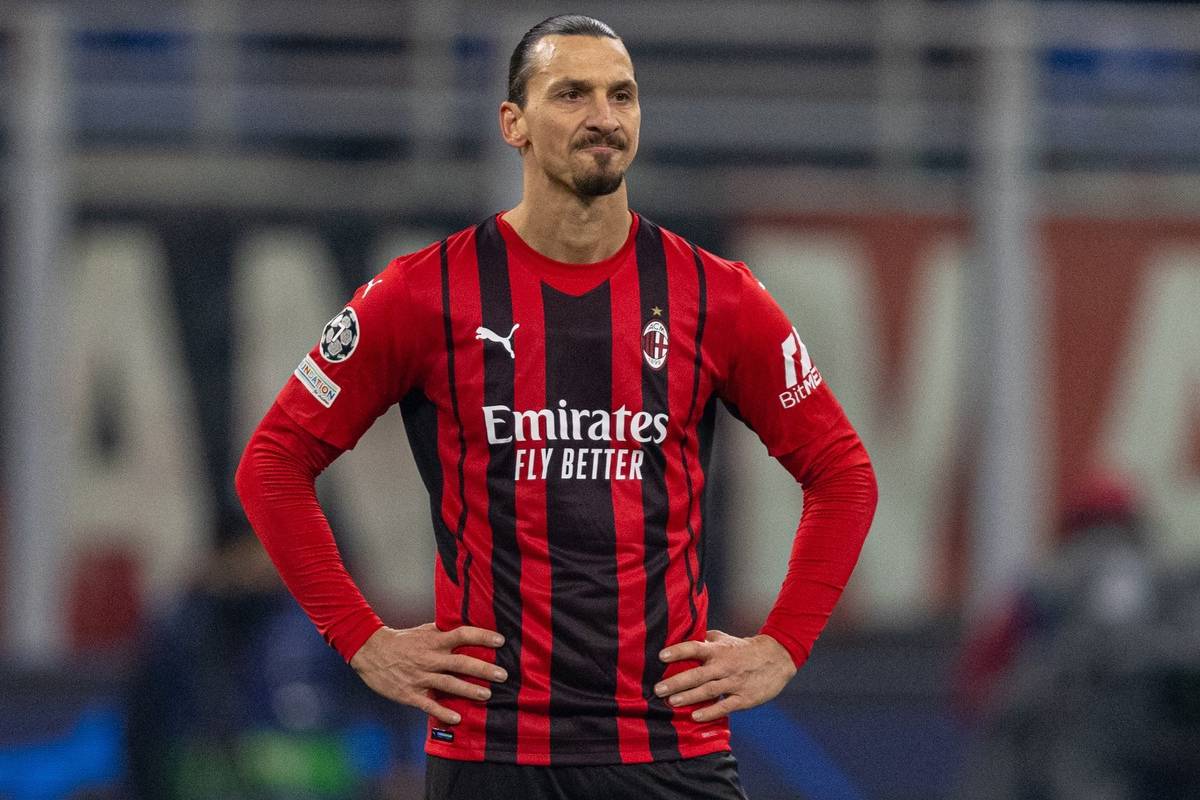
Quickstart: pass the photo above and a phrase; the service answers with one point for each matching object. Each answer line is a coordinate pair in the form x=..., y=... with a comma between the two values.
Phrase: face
x=581, y=117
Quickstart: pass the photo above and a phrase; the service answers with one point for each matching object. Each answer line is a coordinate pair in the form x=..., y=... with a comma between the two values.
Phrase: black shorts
x=712, y=776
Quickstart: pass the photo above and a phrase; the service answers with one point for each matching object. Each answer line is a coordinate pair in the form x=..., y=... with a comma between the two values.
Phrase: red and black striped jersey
x=561, y=417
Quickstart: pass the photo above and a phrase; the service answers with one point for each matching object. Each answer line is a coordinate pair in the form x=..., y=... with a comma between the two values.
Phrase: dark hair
x=520, y=66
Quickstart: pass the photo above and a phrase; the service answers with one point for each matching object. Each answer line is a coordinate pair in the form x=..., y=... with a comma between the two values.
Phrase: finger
x=715, y=635
x=709, y=691
x=685, y=651
x=473, y=667
x=719, y=709
x=449, y=684
x=467, y=635
x=436, y=710
x=689, y=679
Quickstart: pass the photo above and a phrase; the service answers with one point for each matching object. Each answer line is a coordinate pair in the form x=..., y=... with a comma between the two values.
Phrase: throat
x=584, y=235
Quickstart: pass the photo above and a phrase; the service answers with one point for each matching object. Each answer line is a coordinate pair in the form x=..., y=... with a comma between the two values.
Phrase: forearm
x=276, y=483
x=839, y=502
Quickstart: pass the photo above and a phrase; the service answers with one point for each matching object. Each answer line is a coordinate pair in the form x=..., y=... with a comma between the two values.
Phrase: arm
x=807, y=431
x=331, y=400
x=839, y=502
x=276, y=483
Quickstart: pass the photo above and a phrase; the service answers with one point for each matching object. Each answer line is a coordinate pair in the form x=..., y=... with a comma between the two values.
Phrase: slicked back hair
x=520, y=66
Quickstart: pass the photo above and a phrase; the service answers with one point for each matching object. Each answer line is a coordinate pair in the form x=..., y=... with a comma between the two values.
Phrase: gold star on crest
x=656, y=311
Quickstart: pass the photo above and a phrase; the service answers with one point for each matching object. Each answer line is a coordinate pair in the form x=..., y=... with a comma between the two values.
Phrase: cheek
x=551, y=137
x=632, y=140
x=633, y=127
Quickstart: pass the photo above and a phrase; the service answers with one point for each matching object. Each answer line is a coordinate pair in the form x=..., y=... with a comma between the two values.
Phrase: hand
x=406, y=665
x=742, y=673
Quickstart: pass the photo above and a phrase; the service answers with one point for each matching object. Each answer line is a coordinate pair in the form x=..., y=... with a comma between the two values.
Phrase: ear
x=512, y=124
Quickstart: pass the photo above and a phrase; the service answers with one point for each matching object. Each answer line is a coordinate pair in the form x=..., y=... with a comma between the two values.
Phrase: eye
x=571, y=94
x=623, y=96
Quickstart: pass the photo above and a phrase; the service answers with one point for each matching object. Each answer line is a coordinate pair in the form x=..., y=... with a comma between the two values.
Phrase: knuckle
x=468, y=665
x=465, y=665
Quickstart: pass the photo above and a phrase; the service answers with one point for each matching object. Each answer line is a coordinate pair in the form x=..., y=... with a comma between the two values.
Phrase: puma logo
x=491, y=336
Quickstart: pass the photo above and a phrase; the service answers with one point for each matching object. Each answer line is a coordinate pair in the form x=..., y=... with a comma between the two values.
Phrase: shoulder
x=718, y=268
x=414, y=277
x=410, y=269
x=726, y=280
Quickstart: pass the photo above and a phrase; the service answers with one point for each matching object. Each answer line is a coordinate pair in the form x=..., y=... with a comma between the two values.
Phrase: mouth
x=601, y=147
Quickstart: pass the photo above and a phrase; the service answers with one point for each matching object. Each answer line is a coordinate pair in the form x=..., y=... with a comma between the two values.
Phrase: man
x=557, y=367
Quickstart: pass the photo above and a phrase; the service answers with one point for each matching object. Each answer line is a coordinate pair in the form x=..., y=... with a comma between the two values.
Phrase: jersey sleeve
x=771, y=382
x=275, y=481
x=366, y=359
x=774, y=387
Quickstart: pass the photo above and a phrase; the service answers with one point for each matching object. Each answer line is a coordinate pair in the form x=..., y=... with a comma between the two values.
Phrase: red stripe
x=529, y=346
x=684, y=297
x=695, y=466
x=468, y=361
x=447, y=595
x=696, y=739
x=629, y=519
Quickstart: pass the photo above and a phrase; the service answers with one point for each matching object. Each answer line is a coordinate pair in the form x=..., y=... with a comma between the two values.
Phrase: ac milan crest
x=654, y=344
x=340, y=336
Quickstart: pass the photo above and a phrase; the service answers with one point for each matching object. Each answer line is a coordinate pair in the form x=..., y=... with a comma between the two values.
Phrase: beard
x=597, y=184
x=602, y=178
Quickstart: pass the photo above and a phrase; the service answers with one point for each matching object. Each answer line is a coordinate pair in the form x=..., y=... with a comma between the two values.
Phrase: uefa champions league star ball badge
x=340, y=336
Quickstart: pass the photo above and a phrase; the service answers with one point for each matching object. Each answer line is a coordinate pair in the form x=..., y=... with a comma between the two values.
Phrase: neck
x=565, y=227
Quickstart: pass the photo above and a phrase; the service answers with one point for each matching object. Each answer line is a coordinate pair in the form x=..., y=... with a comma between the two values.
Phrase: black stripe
x=580, y=529
x=498, y=375
x=704, y=436
x=652, y=282
x=450, y=554
x=701, y=317
x=421, y=426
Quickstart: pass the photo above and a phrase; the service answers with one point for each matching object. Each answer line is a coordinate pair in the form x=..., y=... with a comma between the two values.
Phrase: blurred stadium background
x=984, y=218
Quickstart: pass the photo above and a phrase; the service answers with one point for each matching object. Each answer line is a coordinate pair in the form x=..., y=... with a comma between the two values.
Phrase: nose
x=602, y=119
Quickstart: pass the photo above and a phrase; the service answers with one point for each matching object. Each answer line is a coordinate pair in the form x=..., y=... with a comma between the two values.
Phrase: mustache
x=613, y=140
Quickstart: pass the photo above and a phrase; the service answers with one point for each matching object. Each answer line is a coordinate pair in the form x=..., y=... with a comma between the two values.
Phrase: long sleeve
x=276, y=483
x=368, y=356
x=772, y=385
x=839, y=503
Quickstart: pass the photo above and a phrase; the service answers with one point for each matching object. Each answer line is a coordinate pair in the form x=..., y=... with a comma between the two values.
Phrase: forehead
x=591, y=58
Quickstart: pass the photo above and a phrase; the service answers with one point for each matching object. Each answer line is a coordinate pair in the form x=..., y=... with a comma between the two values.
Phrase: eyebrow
x=577, y=83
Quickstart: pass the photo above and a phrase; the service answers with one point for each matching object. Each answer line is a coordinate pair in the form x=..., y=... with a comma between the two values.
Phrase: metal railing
x=881, y=95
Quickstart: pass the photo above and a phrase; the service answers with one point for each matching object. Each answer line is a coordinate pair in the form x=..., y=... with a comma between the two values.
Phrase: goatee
x=598, y=184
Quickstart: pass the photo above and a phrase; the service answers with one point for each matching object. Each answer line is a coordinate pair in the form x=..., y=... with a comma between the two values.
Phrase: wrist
x=360, y=657
x=795, y=652
x=778, y=654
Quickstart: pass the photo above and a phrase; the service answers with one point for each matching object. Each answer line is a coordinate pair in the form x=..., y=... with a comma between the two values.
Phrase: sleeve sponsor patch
x=317, y=382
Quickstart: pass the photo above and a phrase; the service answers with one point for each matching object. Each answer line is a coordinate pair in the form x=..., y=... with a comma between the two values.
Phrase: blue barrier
x=88, y=756
x=781, y=742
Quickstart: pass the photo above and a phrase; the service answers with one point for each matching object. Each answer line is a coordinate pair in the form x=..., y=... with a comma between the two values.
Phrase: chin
x=598, y=184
